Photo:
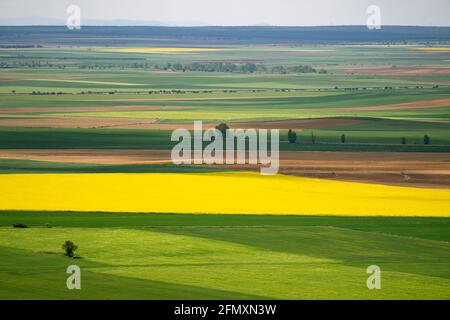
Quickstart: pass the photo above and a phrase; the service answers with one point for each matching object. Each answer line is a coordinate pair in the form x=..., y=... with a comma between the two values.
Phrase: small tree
x=292, y=136
x=69, y=248
x=403, y=140
x=343, y=139
x=313, y=138
x=426, y=139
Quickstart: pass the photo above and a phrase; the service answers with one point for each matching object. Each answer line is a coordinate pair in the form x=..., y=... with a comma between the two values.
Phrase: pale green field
x=218, y=257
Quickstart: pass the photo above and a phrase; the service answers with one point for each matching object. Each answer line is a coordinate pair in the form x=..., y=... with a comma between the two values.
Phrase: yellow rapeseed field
x=163, y=50
x=229, y=193
x=434, y=49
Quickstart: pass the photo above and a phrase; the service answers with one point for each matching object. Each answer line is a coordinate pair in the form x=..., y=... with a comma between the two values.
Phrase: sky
x=231, y=12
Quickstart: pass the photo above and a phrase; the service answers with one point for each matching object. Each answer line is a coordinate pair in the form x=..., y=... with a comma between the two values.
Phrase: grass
x=30, y=166
x=222, y=257
x=359, y=138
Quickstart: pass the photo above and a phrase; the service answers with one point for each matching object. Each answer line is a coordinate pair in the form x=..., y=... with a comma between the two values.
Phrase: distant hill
x=176, y=36
x=45, y=21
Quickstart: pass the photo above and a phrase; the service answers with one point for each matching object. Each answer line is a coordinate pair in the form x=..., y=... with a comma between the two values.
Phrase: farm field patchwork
x=85, y=128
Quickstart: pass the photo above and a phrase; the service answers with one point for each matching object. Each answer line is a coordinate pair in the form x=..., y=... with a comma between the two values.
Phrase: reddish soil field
x=402, y=106
x=392, y=168
x=296, y=124
x=131, y=123
x=235, y=61
x=399, y=71
x=89, y=109
x=90, y=156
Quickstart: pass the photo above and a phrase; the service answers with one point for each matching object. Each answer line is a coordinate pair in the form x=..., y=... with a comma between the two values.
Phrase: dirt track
x=130, y=123
x=408, y=169
x=84, y=122
x=296, y=124
x=90, y=156
x=435, y=103
x=399, y=71
x=25, y=110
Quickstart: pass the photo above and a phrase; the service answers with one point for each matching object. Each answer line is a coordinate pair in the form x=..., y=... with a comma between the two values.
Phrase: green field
x=329, y=140
x=147, y=256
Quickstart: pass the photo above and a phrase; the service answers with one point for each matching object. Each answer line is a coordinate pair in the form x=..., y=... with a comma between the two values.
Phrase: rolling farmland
x=85, y=128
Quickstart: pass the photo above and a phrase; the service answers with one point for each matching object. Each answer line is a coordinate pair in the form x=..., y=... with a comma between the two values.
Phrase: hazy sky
x=238, y=12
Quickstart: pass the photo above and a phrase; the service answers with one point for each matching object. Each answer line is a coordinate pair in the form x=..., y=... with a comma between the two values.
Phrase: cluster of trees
x=218, y=67
x=236, y=68
x=211, y=67
x=24, y=64
x=105, y=66
x=195, y=66
x=296, y=69
x=292, y=137
x=42, y=93
x=19, y=46
x=21, y=62
x=426, y=139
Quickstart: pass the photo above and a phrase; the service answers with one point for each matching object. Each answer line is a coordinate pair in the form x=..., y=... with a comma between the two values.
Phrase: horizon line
x=226, y=26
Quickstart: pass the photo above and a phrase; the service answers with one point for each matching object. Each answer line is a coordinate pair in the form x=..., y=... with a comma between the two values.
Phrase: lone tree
x=69, y=247
x=403, y=140
x=426, y=139
x=292, y=136
x=343, y=139
x=223, y=127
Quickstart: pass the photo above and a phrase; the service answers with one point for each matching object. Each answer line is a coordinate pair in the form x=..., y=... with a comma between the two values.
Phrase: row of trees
x=292, y=135
x=292, y=138
x=178, y=67
x=237, y=68
x=42, y=93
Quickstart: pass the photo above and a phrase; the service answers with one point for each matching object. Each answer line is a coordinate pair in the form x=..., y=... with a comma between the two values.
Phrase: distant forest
x=141, y=36
x=237, y=68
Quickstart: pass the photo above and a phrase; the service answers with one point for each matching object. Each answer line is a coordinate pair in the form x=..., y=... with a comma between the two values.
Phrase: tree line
x=236, y=68
x=292, y=138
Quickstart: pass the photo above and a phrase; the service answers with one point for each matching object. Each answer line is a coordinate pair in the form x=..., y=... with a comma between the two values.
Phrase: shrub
x=69, y=248
x=20, y=225
x=426, y=139
x=343, y=138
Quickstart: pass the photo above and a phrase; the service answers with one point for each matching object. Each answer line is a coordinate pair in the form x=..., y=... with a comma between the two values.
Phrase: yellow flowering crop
x=163, y=50
x=228, y=193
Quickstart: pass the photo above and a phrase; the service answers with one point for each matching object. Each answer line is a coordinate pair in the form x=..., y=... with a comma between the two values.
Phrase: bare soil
x=399, y=71
x=391, y=168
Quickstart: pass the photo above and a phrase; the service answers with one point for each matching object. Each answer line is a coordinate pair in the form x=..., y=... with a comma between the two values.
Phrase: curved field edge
x=226, y=193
